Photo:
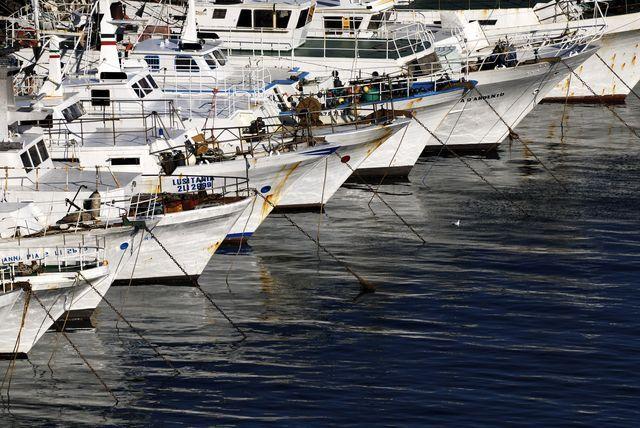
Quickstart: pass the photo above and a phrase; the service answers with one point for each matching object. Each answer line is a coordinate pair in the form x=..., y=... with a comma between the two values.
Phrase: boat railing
x=145, y=123
x=401, y=42
x=518, y=48
x=19, y=261
x=261, y=40
x=26, y=178
x=290, y=131
x=156, y=195
x=226, y=79
x=387, y=89
x=569, y=10
x=381, y=27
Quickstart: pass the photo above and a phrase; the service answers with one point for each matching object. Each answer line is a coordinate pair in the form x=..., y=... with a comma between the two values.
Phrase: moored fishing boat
x=39, y=285
x=610, y=76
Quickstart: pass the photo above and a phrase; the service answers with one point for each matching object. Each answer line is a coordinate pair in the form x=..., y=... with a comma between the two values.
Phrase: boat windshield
x=211, y=62
x=222, y=60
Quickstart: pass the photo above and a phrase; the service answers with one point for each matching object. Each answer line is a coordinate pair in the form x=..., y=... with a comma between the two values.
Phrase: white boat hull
x=272, y=177
x=317, y=187
x=621, y=53
x=401, y=151
x=27, y=315
x=502, y=97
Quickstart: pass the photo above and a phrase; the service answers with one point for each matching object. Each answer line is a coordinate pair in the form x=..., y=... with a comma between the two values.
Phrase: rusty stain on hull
x=213, y=247
x=273, y=199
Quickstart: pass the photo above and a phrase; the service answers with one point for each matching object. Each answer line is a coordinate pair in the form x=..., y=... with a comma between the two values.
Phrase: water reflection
x=506, y=317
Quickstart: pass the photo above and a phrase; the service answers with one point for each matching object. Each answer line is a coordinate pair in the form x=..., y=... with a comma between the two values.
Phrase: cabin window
x=219, y=13
x=35, y=157
x=138, y=90
x=154, y=85
x=244, y=20
x=73, y=112
x=220, y=57
x=26, y=162
x=342, y=23
x=44, y=154
x=186, y=64
x=145, y=86
x=100, y=97
x=125, y=161
x=263, y=19
x=375, y=21
x=302, y=19
x=211, y=62
x=282, y=18
x=332, y=22
x=153, y=61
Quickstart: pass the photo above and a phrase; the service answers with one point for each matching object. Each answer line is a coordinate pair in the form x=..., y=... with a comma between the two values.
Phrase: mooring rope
x=82, y=357
x=386, y=171
x=500, y=192
x=564, y=109
x=324, y=182
x=135, y=330
x=125, y=295
x=365, y=285
x=370, y=188
x=8, y=374
x=602, y=101
x=515, y=136
x=233, y=260
x=617, y=75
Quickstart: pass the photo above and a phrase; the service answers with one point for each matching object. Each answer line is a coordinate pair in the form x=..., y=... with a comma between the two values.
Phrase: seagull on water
x=456, y=223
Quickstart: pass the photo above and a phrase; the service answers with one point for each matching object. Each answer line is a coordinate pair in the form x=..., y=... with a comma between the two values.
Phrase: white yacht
x=252, y=25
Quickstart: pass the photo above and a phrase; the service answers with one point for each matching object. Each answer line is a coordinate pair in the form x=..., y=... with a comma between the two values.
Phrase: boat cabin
x=255, y=25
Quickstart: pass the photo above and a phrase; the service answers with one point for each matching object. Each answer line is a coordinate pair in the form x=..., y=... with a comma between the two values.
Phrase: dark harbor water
x=507, y=319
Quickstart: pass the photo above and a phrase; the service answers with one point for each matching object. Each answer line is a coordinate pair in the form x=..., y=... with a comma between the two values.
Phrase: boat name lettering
x=484, y=97
x=192, y=184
